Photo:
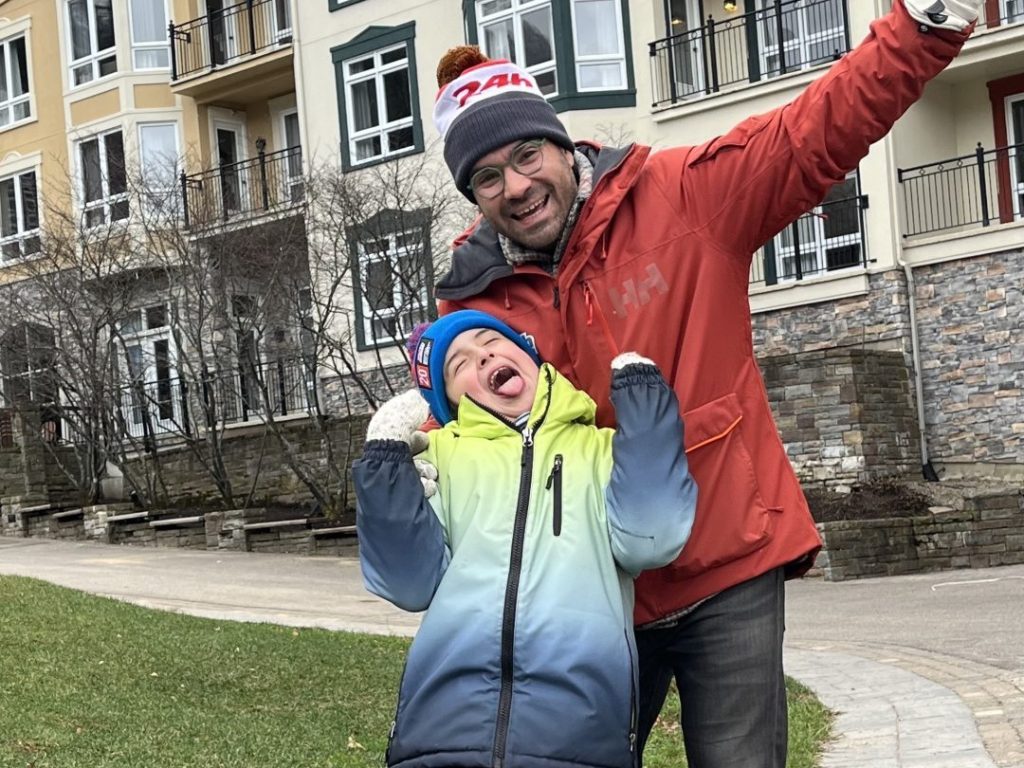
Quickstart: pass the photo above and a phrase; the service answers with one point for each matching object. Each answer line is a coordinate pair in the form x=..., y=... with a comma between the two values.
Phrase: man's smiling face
x=493, y=370
x=531, y=210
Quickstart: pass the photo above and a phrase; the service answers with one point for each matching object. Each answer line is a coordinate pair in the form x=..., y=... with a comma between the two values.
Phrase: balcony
x=270, y=183
x=728, y=54
x=253, y=392
x=828, y=239
x=242, y=53
x=1008, y=12
x=982, y=189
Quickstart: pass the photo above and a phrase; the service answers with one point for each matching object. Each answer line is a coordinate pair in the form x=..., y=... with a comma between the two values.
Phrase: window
x=394, y=276
x=380, y=104
x=150, y=404
x=91, y=25
x=826, y=239
x=376, y=79
x=19, y=216
x=28, y=358
x=813, y=32
x=576, y=51
x=521, y=31
x=294, y=182
x=149, y=34
x=158, y=157
x=15, y=100
x=1015, y=121
x=600, y=50
x=104, y=180
x=1013, y=11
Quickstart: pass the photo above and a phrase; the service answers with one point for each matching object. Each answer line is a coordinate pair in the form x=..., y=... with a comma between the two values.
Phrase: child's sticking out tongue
x=509, y=383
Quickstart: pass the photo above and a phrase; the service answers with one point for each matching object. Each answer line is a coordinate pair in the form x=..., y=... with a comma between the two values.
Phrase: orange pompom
x=456, y=61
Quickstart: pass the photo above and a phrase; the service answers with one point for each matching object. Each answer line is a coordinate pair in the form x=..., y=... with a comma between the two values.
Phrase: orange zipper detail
x=592, y=303
x=719, y=436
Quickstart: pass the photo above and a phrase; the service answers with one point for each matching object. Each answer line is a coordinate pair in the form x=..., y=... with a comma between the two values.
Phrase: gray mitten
x=399, y=418
x=944, y=14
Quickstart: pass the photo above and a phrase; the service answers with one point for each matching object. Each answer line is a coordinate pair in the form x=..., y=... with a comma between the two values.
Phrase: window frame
x=171, y=191
x=136, y=47
x=390, y=224
x=515, y=12
x=22, y=234
x=108, y=200
x=376, y=40
x=8, y=106
x=779, y=253
x=96, y=58
x=619, y=59
x=1015, y=157
x=145, y=337
x=570, y=96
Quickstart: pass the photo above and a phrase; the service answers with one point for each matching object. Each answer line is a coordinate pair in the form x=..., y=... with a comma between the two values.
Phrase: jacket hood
x=557, y=401
x=477, y=260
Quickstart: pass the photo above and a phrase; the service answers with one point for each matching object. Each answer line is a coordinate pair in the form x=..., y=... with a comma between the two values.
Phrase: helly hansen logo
x=636, y=293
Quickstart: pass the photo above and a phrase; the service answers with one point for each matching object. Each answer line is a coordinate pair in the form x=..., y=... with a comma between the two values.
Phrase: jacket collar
x=477, y=259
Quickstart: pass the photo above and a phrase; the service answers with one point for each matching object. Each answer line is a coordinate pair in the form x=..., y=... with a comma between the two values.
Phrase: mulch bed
x=870, y=501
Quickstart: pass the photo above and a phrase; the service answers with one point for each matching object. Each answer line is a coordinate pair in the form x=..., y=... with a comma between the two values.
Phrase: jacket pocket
x=732, y=519
x=737, y=138
x=555, y=479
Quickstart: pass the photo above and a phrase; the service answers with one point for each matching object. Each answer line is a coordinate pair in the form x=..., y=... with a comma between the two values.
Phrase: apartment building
x=141, y=126
x=888, y=320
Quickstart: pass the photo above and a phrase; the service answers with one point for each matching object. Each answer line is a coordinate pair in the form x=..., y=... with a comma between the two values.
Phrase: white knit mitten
x=399, y=418
x=629, y=358
x=945, y=14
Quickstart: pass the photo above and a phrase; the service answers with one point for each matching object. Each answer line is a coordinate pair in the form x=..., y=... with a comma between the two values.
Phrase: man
x=598, y=250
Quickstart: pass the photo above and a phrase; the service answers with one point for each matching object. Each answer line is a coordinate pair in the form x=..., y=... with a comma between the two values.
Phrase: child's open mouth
x=506, y=381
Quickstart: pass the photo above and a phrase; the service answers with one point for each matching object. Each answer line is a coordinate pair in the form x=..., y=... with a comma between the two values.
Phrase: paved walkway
x=899, y=705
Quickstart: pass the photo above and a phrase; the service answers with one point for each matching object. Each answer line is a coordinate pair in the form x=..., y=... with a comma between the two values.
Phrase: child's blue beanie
x=432, y=347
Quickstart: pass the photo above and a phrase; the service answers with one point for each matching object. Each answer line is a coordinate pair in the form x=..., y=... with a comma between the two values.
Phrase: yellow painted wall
x=96, y=107
x=153, y=96
x=45, y=135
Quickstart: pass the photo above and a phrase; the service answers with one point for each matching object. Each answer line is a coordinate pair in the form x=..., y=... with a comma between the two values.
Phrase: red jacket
x=658, y=262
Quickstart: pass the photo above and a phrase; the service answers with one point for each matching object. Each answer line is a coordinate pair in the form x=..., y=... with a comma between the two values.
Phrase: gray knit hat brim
x=493, y=123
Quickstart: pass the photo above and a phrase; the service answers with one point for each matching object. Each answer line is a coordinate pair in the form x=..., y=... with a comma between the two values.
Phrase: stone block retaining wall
x=967, y=528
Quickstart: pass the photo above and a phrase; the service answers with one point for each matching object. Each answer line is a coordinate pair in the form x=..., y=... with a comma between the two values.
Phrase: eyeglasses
x=527, y=159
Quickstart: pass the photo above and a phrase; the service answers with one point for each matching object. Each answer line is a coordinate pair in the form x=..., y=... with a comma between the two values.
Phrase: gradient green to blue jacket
x=525, y=558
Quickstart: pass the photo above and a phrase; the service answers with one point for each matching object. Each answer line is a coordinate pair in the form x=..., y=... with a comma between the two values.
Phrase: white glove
x=630, y=358
x=945, y=14
x=399, y=418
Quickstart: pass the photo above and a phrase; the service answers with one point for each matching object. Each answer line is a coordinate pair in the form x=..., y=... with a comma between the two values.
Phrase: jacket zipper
x=508, y=620
x=555, y=478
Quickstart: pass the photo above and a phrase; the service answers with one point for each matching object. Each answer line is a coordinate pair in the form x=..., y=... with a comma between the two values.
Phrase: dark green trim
x=369, y=40
x=337, y=5
x=388, y=222
x=593, y=100
x=569, y=99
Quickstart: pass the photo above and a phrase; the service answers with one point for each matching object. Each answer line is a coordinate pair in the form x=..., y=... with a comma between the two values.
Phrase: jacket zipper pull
x=588, y=302
x=554, y=470
x=527, y=442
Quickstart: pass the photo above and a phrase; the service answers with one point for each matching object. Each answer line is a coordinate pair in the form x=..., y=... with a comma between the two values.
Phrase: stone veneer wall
x=978, y=528
x=845, y=414
x=970, y=317
x=253, y=454
x=971, y=329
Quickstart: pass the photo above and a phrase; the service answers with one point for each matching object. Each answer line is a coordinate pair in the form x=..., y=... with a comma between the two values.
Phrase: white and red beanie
x=484, y=104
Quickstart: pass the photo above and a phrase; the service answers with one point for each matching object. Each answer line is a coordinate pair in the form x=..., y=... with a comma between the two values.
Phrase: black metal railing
x=745, y=48
x=222, y=37
x=827, y=239
x=253, y=391
x=977, y=190
x=269, y=181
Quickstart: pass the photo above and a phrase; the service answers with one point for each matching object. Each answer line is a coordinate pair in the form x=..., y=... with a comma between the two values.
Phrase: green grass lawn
x=87, y=682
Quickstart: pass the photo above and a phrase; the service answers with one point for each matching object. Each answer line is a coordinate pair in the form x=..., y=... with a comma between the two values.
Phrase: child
x=526, y=554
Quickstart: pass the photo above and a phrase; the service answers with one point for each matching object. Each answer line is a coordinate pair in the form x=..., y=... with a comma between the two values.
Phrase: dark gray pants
x=726, y=657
